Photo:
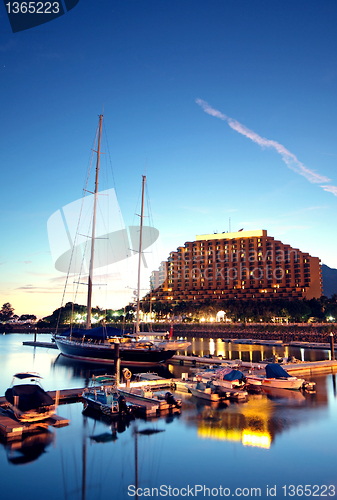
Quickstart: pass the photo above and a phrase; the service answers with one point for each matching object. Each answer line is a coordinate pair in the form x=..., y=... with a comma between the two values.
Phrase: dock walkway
x=11, y=429
x=302, y=368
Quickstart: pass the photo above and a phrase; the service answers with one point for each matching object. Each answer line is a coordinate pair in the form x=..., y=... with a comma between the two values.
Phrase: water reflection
x=252, y=352
x=270, y=433
x=86, y=369
x=257, y=421
x=29, y=449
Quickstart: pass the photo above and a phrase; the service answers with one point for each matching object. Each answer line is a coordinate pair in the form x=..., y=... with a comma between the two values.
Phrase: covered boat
x=224, y=377
x=28, y=401
x=277, y=377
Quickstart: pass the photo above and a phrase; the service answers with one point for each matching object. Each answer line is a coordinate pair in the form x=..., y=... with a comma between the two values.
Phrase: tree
x=6, y=312
x=27, y=317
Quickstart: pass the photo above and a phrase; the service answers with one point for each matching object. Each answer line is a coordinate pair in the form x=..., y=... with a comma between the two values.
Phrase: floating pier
x=148, y=408
x=48, y=345
x=11, y=429
x=303, y=368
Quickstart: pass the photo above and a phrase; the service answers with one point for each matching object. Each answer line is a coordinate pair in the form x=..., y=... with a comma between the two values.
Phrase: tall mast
x=91, y=268
x=140, y=252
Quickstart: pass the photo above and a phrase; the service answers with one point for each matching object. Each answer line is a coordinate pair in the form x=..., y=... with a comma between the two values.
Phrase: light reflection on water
x=278, y=438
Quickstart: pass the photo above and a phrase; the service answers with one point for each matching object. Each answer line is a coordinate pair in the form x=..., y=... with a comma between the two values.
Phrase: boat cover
x=95, y=333
x=233, y=375
x=274, y=370
x=31, y=397
x=24, y=375
x=227, y=374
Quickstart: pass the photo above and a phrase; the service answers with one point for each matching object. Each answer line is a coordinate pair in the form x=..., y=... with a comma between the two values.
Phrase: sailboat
x=100, y=344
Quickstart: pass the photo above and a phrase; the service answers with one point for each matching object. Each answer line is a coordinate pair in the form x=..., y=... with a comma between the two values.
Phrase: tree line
x=294, y=311
x=7, y=314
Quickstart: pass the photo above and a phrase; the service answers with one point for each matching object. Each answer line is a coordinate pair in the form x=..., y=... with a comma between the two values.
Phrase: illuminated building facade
x=239, y=265
x=157, y=278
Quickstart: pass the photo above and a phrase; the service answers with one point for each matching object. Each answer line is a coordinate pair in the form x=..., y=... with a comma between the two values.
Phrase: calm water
x=275, y=440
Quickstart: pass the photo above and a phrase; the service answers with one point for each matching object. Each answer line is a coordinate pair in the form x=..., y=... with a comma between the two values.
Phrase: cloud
x=289, y=158
x=330, y=189
x=39, y=289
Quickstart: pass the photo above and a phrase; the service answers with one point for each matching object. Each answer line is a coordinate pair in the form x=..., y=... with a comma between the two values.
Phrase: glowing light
x=211, y=347
x=219, y=433
x=259, y=439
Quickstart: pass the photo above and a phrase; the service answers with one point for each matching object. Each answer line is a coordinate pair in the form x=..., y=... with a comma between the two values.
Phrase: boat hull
x=292, y=383
x=33, y=415
x=105, y=353
x=204, y=395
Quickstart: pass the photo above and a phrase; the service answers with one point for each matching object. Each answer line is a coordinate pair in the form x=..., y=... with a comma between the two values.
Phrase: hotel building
x=238, y=265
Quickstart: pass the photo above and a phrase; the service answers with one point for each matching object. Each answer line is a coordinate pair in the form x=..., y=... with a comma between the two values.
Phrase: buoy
x=126, y=373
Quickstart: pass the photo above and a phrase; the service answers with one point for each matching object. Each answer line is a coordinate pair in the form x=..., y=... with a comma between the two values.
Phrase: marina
x=168, y=324
x=262, y=430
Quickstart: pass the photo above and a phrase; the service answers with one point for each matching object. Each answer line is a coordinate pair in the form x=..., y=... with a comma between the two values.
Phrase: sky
x=228, y=105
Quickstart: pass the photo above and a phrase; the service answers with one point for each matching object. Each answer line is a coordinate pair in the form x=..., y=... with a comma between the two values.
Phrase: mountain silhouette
x=329, y=278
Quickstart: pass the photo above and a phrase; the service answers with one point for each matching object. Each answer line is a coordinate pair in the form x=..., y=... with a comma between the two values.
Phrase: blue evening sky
x=271, y=66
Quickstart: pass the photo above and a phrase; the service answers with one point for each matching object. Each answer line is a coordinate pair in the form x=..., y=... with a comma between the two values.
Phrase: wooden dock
x=311, y=368
x=64, y=396
x=302, y=368
x=148, y=408
x=48, y=345
x=11, y=429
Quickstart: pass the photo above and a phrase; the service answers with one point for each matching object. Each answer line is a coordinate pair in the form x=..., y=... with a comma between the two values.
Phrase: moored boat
x=146, y=394
x=223, y=377
x=27, y=400
x=202, y=391
x=99, y=344
x=105, y=398
x=277, y=377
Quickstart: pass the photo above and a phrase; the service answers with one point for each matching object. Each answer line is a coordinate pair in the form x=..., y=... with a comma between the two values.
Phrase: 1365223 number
x=33, y=7
x=309, y=490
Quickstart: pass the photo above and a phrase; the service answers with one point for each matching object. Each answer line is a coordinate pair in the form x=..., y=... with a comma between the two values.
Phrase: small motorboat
x=224, y=377
x=105, y=398
x=146, y=394
x=276, y=377
x=202, y=391
x=27, y=400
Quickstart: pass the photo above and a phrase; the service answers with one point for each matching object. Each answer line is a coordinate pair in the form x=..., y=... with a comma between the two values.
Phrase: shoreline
x=317, y=333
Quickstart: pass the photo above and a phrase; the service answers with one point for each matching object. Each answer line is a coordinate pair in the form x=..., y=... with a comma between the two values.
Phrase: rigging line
x=63, y=476
x=76, y=235
x=138, y=203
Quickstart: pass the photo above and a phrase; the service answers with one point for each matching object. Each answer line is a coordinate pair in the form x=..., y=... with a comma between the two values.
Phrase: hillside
x=329, y=277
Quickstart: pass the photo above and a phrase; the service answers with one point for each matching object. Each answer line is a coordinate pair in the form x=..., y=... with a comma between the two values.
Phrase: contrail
x=330, y=189
x=289, y=158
